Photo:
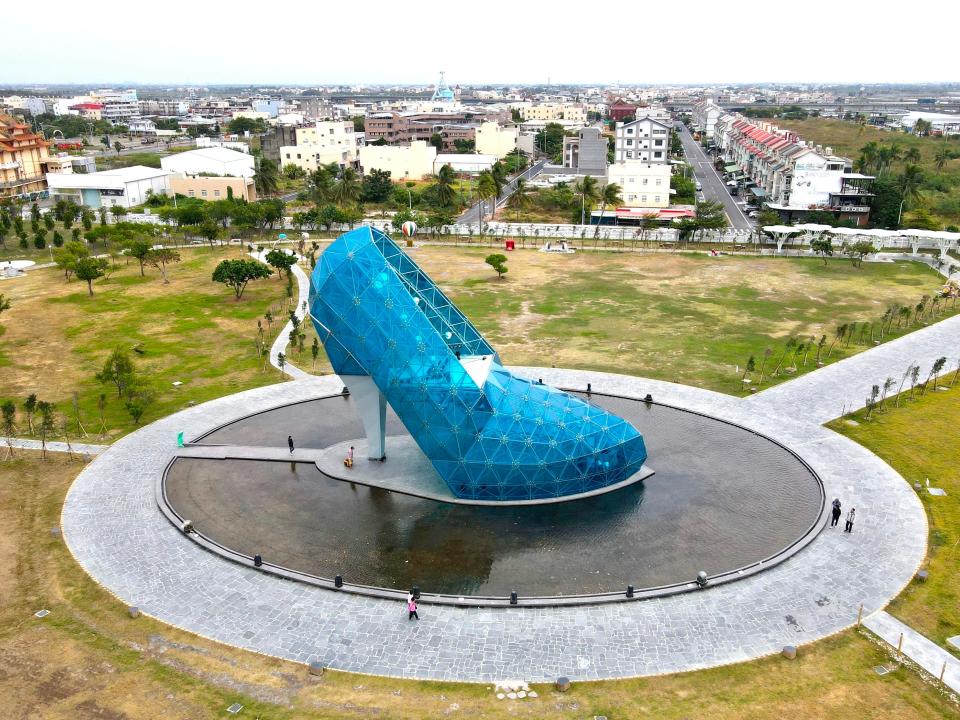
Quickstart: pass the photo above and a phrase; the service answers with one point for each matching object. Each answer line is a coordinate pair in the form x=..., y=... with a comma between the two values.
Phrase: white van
x=699, y=185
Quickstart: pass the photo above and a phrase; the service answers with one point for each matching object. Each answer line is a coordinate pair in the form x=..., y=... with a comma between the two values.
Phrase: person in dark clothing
x=290, y=443
x=836, y=513
x=850, y=517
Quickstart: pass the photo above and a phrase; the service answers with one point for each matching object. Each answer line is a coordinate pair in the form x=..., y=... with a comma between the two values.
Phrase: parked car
x=753, y=214
x=699, y=185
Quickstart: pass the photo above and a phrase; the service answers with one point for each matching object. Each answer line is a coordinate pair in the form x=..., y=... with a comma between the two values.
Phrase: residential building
x=587, y=152
x=33, y=105
x=164, y=108
x=491, y=139
x=396, y=127
x=211, y=161
x=142, y=126
x=269, y=106
x=792, y=177
x=643, y=139
x=120, y=107
x=126, y=187
x=413, y=161
x=213, y=188
x=704, y=117
x=619, y=111
x=330, y=138
x=642, y=184
x=466, y=163
x=554, y=111
x=88, y=110
x=23, y=154
x=271, y=142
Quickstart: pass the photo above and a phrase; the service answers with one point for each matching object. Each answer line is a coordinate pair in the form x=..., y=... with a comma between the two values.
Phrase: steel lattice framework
x=489, y=434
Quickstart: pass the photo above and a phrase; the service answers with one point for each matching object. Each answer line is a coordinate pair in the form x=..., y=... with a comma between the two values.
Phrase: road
x=473, y=213
x=713, y=186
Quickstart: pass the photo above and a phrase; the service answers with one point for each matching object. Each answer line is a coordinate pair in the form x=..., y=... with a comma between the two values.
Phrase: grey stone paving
x=928, y=655
x=115, y=530
x=844, y=386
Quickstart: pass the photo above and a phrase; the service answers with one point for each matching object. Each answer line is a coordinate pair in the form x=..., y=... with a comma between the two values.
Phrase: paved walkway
x=283, y=339
x=114, y=528
x=829, y=392
x=27, y=444
x=928, y=655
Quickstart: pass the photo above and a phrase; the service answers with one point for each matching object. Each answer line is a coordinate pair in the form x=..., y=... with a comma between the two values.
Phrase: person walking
x=836, y=512
x=412, y=608
x=348, y=460
x=850, y=518
x=290, y=443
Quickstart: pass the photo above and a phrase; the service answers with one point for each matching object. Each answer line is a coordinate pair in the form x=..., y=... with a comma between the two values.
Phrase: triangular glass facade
x=490, y=435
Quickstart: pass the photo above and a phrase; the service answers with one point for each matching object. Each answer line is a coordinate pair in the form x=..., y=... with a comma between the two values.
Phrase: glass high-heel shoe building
x=396, y=339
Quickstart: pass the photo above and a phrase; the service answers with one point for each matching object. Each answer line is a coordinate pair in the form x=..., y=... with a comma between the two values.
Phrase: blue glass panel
x=379, y=314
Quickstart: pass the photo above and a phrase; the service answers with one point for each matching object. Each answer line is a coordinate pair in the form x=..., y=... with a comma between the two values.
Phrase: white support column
x=372, y=406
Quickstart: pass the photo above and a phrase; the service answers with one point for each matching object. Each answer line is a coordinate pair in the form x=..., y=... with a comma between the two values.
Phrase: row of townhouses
x=790, y=175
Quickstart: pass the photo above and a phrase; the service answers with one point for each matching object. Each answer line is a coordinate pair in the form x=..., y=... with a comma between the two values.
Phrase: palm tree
x=609, y=196
x=520, y=198
x=349, y=188
x=444, y=186
x=912, y=155
x=922, y=127
x=4, y=303
x=869, y=155
x=486, y=190
x=321, y=185
x=266, y=177
x=909, y=183
x=886, y=156
x=942, y=157
x=589, y=193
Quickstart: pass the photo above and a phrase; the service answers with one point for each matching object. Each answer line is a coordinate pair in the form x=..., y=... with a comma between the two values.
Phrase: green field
x=689, y=318
x=919, y=439
x=191, y=331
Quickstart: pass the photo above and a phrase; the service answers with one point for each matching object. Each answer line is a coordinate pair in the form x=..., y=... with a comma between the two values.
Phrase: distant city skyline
x=505, y=43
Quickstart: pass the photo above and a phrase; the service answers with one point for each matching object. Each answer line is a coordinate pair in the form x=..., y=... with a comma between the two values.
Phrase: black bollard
x=648, y=399
x=338, y=581
x=257, y=560
x=513, y=597
x=629, y=590
x=588, y=388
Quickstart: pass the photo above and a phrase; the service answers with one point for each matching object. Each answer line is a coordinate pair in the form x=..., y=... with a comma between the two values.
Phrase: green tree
x=160, y=258
x=348, y=190
x=942, y=157
x=241, y=125
x=377, y=186
x=588, y=191
x=550, y=140
x=4, y=304
x=909, y=183
x=118, y=211
x=610, y=195
x=118, y=147
x=67, y=256
x=498, y=262
x=859, y=250
x=437, y=141
x=90, y=269
x=266, y=176
x=822, y=246
x=48, y=420
x=486, y=190
x=445, y=191
x=237, y=273
x=282, y=261
x=118, y=370
x=8, y=423
x=139, y=249
x=520, y=198
x=685, y=190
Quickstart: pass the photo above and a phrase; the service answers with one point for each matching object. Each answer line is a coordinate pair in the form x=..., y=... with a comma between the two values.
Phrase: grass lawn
x=919, y=439
x=56, y=337
x=88, y=658
x=685, y=317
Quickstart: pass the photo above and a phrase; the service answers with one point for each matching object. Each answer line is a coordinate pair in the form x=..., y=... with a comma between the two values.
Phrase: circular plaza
x=739, y=490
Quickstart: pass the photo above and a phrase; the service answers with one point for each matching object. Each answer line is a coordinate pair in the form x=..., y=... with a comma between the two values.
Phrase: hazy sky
x=521, y=41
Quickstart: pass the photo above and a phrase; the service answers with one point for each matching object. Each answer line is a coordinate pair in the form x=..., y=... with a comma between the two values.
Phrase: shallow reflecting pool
x=722, y=498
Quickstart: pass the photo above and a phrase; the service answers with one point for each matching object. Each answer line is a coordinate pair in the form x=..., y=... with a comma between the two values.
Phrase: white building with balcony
x=644, y=139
